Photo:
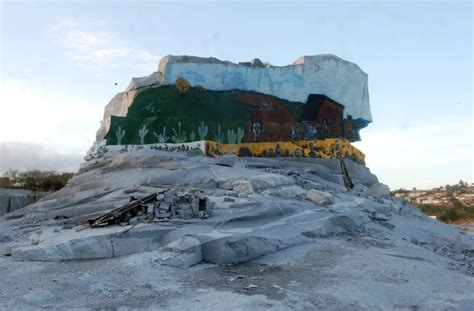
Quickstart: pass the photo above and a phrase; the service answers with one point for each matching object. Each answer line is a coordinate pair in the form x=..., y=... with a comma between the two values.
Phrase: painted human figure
x=256, y=123
x=294, y=133
x=338, y=150
x=312, y=132
x=277, y=150
x=312, y=153
x=256, y=129
x=325, y=129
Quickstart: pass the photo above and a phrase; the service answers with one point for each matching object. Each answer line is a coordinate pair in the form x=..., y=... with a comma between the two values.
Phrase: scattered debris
x=162, y=206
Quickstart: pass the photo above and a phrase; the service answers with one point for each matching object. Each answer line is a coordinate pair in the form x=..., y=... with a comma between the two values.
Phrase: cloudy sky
x=60, y=62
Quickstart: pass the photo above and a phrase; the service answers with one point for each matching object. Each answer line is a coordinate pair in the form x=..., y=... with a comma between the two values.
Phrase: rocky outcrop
x=256, y=206
x=330, y=75
x=14, y=199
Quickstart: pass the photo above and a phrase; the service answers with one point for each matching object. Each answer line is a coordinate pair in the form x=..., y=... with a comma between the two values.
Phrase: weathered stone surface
x=94, y=244
x=360, y=189
x=90, y=248
x=242, y=186
x=256, y=62
x=319, y=197
x=189, y=176
x=360, y=174
x=227, y=160
x=290, y=192
x=4, y=202
x=270, y=212
x=186, y=244
x=380, y=217
x=263, y=181
x=14, y=199
x=233, y=249
x=183, y=260
x=379, y=190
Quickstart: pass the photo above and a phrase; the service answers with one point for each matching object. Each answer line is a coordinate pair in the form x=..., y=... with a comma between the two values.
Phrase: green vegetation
x=199, y=112
x=37, y=180
x=449, y=214
x=456, y=211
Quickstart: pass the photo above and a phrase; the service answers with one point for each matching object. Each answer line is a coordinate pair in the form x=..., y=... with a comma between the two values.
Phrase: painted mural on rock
x=326, y=149
x=180, y=113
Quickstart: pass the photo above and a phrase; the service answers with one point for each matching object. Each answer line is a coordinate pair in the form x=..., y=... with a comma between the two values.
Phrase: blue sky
x=60, y=62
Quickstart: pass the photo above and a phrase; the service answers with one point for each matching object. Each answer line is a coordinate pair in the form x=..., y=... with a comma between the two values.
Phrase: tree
x=37, y=180
x=182, y=85
x=450, y=215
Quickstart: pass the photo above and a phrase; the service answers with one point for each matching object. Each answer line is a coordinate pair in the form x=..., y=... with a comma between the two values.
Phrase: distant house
x=400, y=194
x=415, y=194
x=428, y=200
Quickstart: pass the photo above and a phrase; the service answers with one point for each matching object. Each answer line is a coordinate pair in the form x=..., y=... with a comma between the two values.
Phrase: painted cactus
x=219, y=137
x=119, y=134
x=179, y=136
x=231, y=136
x=162, y=138
x=240, y=135
x=142, y=133
x=192, y=136
x=202, y=131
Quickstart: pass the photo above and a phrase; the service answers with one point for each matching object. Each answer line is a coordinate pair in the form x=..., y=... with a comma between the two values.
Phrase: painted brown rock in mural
x=270, y=108
x=272, y=131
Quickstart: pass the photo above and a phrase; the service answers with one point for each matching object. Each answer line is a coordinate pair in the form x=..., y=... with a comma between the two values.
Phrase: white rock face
x=330, y=75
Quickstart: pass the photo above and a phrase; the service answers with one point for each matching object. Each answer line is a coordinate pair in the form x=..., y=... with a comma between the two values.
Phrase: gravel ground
x=340, y=273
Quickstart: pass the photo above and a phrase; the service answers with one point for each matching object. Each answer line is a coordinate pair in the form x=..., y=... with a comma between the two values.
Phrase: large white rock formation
x=330, y=75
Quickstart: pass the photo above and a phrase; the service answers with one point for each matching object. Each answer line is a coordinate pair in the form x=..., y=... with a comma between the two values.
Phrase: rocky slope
x=277, y=233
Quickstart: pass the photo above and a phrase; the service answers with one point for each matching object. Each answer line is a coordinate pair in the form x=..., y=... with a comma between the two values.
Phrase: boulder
x=184, y=260
x=242, y=186
x=320, y=197
x=379, y=190
x=293, y=191
x=185, y=244
x=227, y=160
x=360, y=189
x=269, y=180
x=236, y=249
x=256, y=62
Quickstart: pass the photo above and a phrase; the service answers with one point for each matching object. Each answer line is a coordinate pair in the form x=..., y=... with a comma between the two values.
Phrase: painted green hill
x=166, y=107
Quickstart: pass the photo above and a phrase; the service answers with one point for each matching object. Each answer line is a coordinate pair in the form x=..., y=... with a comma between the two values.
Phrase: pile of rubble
x=162, y=207
x=180, y=204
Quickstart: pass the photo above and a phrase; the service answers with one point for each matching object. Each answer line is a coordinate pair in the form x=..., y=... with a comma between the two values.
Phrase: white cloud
x=91, y=45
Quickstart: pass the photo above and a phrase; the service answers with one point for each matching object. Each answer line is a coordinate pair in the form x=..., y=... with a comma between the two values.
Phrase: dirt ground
x=340, y=273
